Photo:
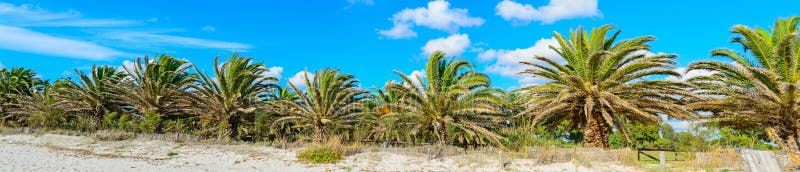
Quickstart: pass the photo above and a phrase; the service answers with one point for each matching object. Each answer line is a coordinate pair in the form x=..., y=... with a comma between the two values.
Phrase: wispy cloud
x=161, y=40
x=29, y=15
x=19, y=22
x=23, y=40
x=209, y=28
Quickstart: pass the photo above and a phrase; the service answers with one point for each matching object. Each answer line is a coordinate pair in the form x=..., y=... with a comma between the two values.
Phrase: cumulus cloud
x=126, y=65
x=555, y=10
x=299, y=79
x=23, y=40
x=506, y=62
x=274, y=71
x=452, y=45
x=399, y=31
x=416, y=76
x=30, y=15
x=437, y=15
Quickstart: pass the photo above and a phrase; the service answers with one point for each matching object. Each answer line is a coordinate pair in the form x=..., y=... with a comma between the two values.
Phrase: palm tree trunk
x=595, y=132
x=442, y=139
x=319, y=134
x=786, y=141
x=233, y=127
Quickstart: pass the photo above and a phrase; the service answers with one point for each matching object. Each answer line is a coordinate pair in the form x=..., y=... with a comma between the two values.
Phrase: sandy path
x=15, y=157
x=73, y=153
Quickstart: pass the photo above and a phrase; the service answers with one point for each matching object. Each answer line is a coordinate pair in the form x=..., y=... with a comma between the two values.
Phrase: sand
x=77, y=153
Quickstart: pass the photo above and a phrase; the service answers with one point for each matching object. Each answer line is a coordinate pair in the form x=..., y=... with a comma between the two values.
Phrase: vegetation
x=602, y=85
x=601, y=93
x=759, y=91
x=320, y=155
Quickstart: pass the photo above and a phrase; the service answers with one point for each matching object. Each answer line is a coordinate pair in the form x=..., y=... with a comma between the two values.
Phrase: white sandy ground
x=75, y=153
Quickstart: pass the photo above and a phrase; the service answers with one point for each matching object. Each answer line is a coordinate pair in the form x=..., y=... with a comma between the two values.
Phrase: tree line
x=603, y=93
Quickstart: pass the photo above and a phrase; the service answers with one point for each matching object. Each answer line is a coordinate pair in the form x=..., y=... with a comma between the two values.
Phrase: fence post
x=500, y=157
x=662, y=159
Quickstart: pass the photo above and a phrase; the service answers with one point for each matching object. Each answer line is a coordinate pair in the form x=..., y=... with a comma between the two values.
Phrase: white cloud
x=507, y=62
x=208, y=28
x=555, y=10
x=677, y=124
x=2, y=66
x=23, y=40
x=399, y=31
x=170, y=40
x=690, y=74
x=437, y=15
x=274, y=71
x=299, y=79
x=29, y=15
x=452, y=45
x=416, y=76
x=367, y=2
x=126, y=65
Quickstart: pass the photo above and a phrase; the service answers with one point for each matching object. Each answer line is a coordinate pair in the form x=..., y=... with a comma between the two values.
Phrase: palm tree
x=92, y=96
x=158, y=86
x=452, y=95
x=384, y=123
x=330, y=101
x=603, y=84
x=232, y=94
x=15, y=81
x=39, y=109
x=761, y=90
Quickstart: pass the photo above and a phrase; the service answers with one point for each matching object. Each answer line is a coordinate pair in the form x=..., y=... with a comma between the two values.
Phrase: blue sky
x=367, y=38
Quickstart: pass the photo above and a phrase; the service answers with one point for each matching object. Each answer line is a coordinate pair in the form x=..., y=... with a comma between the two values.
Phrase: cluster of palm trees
x=599, y=86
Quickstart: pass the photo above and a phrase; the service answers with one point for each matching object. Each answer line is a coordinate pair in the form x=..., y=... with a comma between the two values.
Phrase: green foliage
x=110, y=120
x=125, y=122
x=600, y=78
x=741, y=139
x=321, y=154
x=642, y=136
x=171, y=154
x=150, y=122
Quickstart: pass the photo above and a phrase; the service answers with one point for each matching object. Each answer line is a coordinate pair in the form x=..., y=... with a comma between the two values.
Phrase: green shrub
x=150, y=122
x=110, y=120
x=320, y=155
x=171, y=154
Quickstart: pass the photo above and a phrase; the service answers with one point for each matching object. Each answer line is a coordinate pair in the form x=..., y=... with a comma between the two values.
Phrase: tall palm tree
x=232, y=94
x=92, y=94
x=330, y=101
x=158, y=86
x=602, y=84
x=760, y=89
x=452, y=95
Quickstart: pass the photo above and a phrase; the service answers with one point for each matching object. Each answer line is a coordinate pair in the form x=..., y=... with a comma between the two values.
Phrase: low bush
x=106, y=135
x=320, y=155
